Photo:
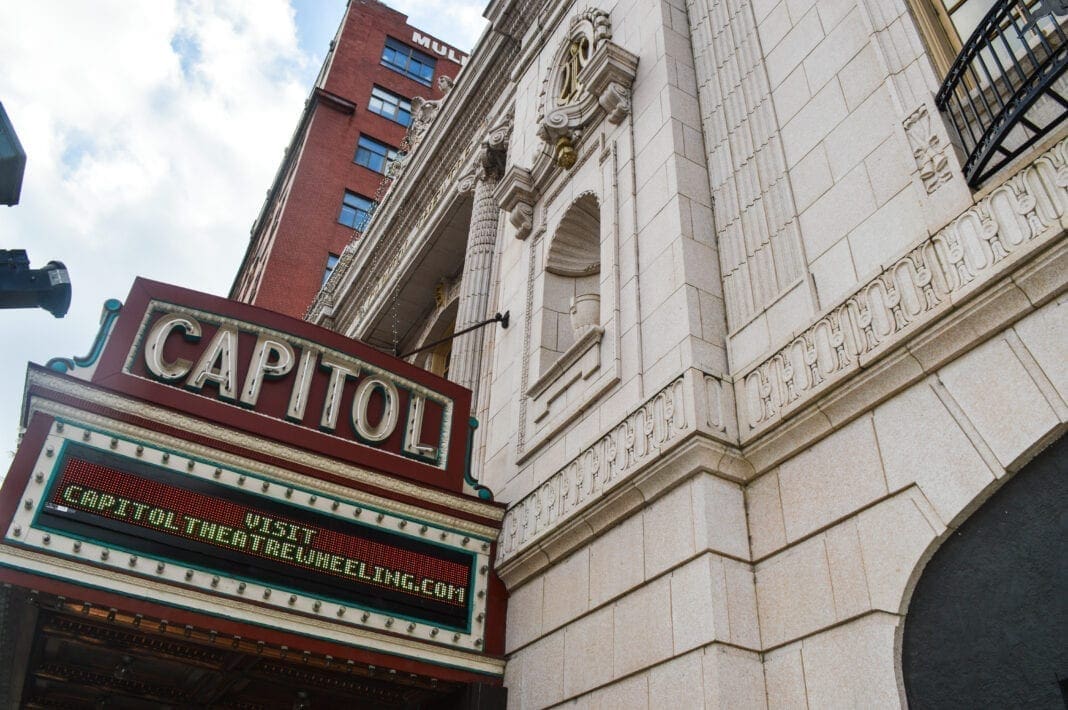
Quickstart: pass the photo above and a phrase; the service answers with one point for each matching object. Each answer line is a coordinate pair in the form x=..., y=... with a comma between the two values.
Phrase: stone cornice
x=998, y=261
x=958, y=264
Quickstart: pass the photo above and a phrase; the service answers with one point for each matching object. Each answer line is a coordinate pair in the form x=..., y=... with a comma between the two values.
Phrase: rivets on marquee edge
x=483, y=569
x=317, y=606
x=480, y=617
x=402, y=524
x=216, y=473
x=77, y=547
x=166, y=457
x=50, y=452
x=241, y=480
x=114, y=443
x=39, y=477
x=335, y=505
x=456, y=638
x=389, y=622
x=17, y=532
x=133, y=560
x=465, y=541
x=188, y=575
x=341, y=611
x=59, y=426
x=140, y=450
x=265, y=487
x=104, y=554
x=485, y=546
x=422, y=529
x=444, y=535
x=311, y=500
x=241, y=588
x=191, y=464
x=378, y=518
x=356, y=512
x=87, y=435
x=289, y=493
x=434, y=632
x=46, y=539
x=28, y=504
x=160, y=567
x=411, y=628
x=478, y=642
x=292, y=599
x=365, y=616
x=215, y=581
x=266, y=593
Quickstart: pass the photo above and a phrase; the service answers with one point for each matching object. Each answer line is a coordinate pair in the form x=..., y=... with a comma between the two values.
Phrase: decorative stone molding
x=1017, y=217
x=424, y=111
x=589, y=74
x=928, y=150
x=516, y=196
x=640, y=437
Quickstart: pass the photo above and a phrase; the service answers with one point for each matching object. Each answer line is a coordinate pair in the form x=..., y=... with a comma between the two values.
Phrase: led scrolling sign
x=106, y=498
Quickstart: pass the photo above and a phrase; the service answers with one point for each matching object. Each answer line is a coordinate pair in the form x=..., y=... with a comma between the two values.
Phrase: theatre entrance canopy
x=222, y=506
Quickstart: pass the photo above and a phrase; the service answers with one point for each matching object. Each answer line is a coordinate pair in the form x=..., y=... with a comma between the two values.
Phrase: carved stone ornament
x=424, y=111
x=516, y=196
x=590, y=73
x=928, y=150
x=445, y=84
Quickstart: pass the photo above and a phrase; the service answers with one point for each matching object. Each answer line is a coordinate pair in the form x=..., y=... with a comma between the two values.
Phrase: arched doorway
x=986, y=625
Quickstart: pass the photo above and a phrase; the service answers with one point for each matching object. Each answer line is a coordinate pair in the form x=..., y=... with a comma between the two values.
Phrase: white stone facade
x=815, y=352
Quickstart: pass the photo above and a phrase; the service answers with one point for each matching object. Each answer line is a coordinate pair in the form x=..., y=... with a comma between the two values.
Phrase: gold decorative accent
x=577, y=57
x=565, y=153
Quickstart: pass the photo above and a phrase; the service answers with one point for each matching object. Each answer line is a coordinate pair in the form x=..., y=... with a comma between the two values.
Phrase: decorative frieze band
x=1027, y=209
x=638, y=439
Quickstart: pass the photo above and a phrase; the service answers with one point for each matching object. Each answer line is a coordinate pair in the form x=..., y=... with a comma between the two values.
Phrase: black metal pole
x=497, y=318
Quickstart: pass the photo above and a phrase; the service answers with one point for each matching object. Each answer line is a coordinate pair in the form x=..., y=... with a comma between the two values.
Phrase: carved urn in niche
x=585, y=313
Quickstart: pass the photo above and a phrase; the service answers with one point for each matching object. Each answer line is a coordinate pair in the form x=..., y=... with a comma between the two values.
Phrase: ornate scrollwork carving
x=1011, y=218
x=590, y=74
x=516, y=196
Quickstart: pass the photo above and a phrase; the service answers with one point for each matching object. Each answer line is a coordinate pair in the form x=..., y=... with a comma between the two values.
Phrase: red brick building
x=353, y=123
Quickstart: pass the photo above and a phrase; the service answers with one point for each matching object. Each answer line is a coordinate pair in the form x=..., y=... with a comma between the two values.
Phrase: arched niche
x=988, y=617
x=572, y=287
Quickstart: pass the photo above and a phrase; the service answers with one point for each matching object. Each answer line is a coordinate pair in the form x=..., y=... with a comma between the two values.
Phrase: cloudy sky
x=153, y=130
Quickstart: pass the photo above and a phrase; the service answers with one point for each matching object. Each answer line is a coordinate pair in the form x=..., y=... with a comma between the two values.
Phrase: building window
x=355, y=209
x=947, y=25
x=331, y=262
x=386, y=103
x=408, y=61
x=374, y=154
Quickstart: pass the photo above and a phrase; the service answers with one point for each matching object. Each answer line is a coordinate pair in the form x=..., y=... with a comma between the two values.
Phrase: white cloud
x=458, y=22
x=152, y=132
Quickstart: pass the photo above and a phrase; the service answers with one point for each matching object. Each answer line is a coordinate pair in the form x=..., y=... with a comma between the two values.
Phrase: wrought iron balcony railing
x=1005, y=90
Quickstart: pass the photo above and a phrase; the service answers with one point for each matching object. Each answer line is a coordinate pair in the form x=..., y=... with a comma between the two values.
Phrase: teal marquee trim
x=108, y=316
x=483, y=492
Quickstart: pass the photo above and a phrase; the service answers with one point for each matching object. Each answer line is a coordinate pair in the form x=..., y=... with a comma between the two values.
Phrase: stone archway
x=986, y=623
